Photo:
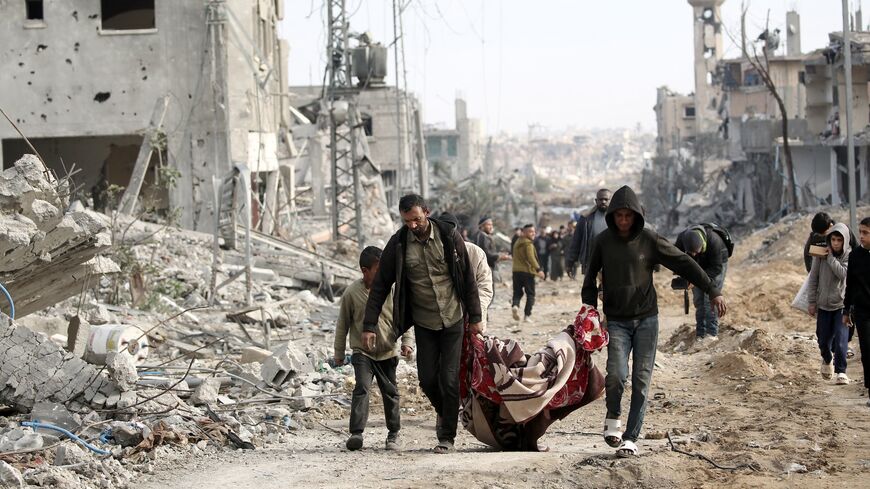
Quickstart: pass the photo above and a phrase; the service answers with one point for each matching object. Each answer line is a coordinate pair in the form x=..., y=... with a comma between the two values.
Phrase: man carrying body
x=525, y=268
x=380, y=362
x=589, y=225
x=435, y=291
x=626, y=254
x=708, y=249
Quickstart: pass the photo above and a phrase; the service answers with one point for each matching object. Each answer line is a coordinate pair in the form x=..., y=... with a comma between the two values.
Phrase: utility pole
x=401, y=176
x=850, y=143
x=343, y=125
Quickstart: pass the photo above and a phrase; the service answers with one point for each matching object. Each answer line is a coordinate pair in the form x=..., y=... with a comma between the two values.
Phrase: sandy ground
x=754, y=399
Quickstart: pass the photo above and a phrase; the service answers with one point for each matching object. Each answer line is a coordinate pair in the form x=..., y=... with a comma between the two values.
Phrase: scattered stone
x=286, y=363
x=122, y=369
x=207, y=392
x=96, y=314
x=69, y=454
x=127, y=434
x=252, y=354
x=795, y=468
x=10, y=476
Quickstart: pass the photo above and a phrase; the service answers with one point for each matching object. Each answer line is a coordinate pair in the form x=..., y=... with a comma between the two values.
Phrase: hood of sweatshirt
x=625, y=198
x=843, y=231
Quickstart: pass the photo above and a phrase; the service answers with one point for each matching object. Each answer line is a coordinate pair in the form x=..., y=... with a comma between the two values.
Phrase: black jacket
x=858, y=283
x=392, y=271
x=714, y=258
x=581, y=241
x=484, y=241
x=627, y=265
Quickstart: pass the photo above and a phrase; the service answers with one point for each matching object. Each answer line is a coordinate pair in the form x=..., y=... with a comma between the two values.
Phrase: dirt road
x=753, y=399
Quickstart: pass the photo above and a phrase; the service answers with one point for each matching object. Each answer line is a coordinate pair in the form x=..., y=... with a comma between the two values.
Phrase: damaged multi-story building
x=743, y=121
x=203, y=83
x=456, y=153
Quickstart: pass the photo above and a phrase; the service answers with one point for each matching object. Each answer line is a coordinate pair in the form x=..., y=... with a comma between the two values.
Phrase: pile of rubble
x=110, y=375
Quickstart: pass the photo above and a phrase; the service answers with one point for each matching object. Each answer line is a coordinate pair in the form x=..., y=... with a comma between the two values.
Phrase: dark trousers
x=833, y=338
x=544, y=260
x=862, y=325
x=524, y=283
x=438, y=353
x=364, y=369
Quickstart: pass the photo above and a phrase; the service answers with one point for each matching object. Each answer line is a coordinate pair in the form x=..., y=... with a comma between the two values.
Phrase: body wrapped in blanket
x=509, y=399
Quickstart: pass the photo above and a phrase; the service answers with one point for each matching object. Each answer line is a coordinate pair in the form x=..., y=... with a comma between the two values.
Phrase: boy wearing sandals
x=857, y=299
x=826, y=288
x=626, y=253
x=379, y=361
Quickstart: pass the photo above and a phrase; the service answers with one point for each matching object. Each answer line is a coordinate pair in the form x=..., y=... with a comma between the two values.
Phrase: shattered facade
x=459, y=152
x=220, y=62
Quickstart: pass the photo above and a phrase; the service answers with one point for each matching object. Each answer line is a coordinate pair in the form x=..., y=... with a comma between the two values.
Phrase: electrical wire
x=69, y=434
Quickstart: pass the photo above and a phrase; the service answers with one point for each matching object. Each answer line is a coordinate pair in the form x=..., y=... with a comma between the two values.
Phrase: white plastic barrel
x=116, y=338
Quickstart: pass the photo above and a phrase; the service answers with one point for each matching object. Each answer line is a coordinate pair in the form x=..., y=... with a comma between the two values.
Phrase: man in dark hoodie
x=857, y=300
x=626, y=254
x=435, y=292
x=707, y=248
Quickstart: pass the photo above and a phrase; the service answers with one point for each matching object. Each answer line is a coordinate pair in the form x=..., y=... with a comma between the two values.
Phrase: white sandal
x=613, y=430
x=627, y=449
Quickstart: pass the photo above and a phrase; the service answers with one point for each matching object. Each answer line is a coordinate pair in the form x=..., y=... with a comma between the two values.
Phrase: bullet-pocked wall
x=97, y=68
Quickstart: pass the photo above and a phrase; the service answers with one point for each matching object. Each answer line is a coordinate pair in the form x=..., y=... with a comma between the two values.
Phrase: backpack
x=723, y=233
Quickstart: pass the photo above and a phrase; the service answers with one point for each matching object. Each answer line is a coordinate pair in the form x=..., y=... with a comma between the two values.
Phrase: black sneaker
x=355, y=442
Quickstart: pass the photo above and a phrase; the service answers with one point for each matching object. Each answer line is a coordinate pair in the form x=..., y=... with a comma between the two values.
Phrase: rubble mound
x=739, y=365
x=759, y=342
x=683, y=337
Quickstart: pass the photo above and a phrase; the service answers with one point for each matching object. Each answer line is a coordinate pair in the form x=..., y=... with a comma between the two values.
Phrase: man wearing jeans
x=626, y=254
x=709, y=250
x=436, y=292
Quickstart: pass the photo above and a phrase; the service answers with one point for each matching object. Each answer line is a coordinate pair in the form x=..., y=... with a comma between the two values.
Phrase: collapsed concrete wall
x=45, y=251
x=33, y=369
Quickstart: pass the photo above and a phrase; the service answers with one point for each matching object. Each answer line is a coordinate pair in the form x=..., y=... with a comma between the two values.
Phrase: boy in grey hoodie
x=827, y=291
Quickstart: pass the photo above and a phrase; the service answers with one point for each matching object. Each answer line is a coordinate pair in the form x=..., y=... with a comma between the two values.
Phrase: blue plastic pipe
x=11, y=304
x=69, y=434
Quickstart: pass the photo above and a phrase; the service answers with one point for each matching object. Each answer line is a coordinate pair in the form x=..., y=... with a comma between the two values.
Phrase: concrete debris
x=10, y=477
x=253, y=354
x=70, y=455
x=285, y=363
x=33, y=369
x=46, y=252
x=122, y=370
x=206, y=392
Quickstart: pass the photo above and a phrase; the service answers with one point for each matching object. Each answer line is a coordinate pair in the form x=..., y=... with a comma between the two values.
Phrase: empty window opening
x=125, y=15
x=368, y=127
x=34, y=10
x=689, y=111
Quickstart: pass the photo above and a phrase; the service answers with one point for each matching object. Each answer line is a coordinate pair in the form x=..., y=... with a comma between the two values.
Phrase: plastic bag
x=801, y=301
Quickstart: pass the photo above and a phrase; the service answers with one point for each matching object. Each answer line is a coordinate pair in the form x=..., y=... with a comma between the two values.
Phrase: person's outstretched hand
x=719, y=305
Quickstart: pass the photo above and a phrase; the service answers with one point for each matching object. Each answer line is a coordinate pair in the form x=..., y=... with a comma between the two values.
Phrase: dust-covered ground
x=753, y=400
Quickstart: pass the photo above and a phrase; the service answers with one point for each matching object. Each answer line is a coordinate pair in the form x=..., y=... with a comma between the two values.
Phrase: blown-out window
x=127, y=15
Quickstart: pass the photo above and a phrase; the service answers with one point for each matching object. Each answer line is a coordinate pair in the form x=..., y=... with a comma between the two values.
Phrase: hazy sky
x=558, y=63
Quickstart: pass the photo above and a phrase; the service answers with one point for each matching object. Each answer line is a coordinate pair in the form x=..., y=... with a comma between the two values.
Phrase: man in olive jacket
x=525, y=269
x=626, y=254
x=435, y=292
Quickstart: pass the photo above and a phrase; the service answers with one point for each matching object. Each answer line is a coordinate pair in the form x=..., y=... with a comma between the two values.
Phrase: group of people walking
x=429, y=289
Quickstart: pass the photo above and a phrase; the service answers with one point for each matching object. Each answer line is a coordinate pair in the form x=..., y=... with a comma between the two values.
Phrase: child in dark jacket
x=857, y=300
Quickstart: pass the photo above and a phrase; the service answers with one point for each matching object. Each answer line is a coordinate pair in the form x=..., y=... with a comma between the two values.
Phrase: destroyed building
x=201, y=85
x=459, y=152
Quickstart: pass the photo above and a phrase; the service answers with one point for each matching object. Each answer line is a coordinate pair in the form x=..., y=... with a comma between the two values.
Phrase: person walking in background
x=542, y=244
x=483, y=239
x=482, y=273
x=518, y=233
x=436, y=293
x=589, y=225
x=525, y=269
x=708, y=249
x=857, y=298
x=557, y=266
x=626, y=254
x=379, y=363
x=567, y=237
x=826, y=289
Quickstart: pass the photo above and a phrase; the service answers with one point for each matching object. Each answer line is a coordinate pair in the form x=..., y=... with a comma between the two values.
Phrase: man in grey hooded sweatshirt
x=826, y=288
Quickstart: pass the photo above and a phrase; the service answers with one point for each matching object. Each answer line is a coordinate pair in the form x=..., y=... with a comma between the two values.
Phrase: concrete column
x=835, y=181
x=270, y=211
x=317, y=156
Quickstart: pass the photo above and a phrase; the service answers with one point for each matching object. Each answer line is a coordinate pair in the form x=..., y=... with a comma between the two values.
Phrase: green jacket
x=525, y=257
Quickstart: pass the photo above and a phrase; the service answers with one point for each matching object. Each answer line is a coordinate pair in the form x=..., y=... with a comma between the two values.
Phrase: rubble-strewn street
x=258, y=244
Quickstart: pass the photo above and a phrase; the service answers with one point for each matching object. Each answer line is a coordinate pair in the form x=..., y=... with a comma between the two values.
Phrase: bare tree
x=762, y=67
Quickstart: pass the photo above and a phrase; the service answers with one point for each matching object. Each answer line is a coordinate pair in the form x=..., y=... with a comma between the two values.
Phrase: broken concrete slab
x=10, y=476
x=45, y=251
x=285, y=363
x=254, y=354
x=33, y=369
